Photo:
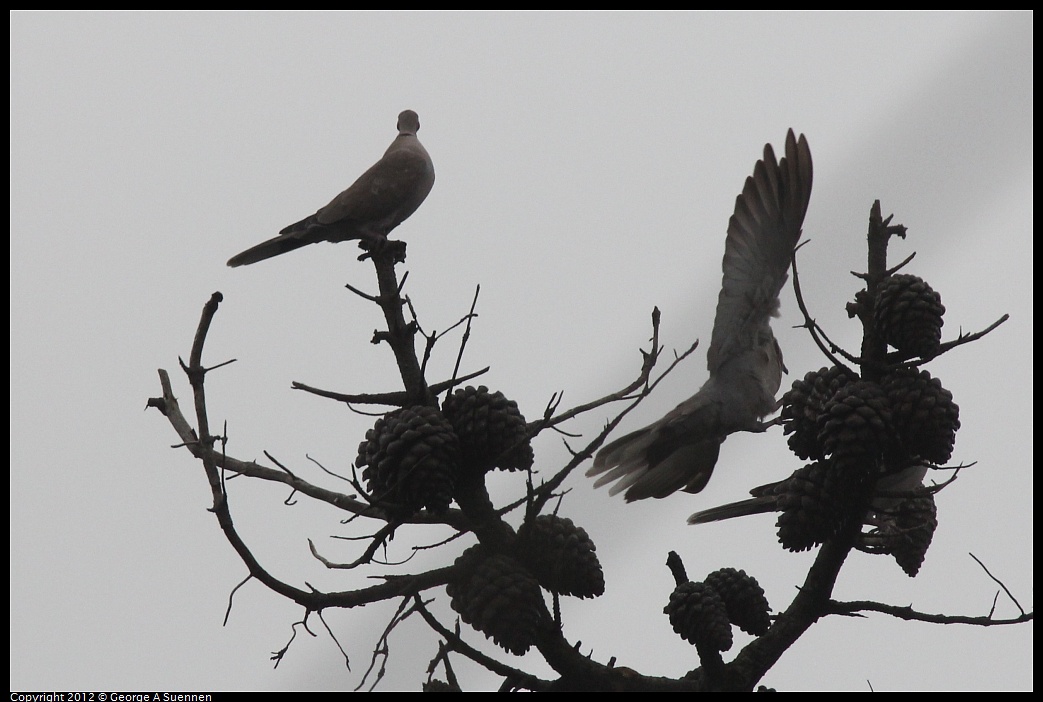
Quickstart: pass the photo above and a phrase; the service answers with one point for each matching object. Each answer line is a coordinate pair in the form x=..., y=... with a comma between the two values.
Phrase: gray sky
x=587, y=165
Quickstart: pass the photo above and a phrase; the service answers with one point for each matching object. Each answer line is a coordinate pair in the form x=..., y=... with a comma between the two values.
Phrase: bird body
x=679, y=451
x=889, y=490
x=381, y=199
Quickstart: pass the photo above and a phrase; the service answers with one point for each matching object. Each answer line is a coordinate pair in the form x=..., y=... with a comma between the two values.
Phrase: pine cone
x=496, y=595
x=909, y=315
x=491, y=429
x=698, y=615
x=819, y=499
x=804, y=403
x=915, y=525
x=743, y=598
x=856, y=421
x=411, y=457
x=924, y=414
x=907, y=534
x=562, y=557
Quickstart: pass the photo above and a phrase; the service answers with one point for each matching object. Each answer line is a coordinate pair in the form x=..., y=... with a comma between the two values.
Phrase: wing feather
x=679, y=451
x=762, y=233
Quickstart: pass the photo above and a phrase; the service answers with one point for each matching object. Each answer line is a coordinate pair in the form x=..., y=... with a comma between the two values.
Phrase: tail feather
x=653, y=462
x=623, y=458
x=266, y=249
x=756, y=505
x=303, y=225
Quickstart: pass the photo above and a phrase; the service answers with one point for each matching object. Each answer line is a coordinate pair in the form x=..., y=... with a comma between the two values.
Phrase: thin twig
x=363, y=295
x=812, y=326
x=649, y=359
x=396, y=398
x=457, y=644
x=379, y=539
x=899, y=359
x=382, y=650
x=910, y=614
x=466, y=336
x=999, y=582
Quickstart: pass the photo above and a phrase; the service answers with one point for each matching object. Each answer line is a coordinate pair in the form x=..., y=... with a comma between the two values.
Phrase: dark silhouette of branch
x=910, y=614
x=999, y=582
x=382, y=649
x=463, y=341
x=898, y=358
x=518, y=551
x=546, y=490
x=453, y=642
x=397, y=398
x=312, y=600
x=399, y=334
x=818, y=335
x=278, y=656
x=649, y=359
x=676, y=566
x=376, y=541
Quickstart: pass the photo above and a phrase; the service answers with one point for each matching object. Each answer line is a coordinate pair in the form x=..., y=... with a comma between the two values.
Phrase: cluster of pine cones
x=856, y=433
x=862, y=435
x=862, y=438
x=703, y=613
x=415, y=457
x=500, y=594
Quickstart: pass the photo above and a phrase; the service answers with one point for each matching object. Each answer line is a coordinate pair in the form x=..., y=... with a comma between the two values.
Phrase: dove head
x=408, y=122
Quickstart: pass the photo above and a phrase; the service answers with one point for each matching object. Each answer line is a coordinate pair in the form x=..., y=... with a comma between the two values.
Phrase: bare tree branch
x=910, y=614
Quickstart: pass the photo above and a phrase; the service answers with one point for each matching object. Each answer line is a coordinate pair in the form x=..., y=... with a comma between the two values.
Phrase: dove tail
x=743, y=508
x=655, y=462
x=266, y=249
x=626, y=456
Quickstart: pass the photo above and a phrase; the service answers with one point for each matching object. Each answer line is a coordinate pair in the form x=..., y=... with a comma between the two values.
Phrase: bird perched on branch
x=888, y=491
x=380, y=200
x=679, y=451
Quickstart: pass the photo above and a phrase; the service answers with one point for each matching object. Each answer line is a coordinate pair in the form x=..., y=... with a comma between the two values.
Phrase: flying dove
x=380, y=200
x=679, y=451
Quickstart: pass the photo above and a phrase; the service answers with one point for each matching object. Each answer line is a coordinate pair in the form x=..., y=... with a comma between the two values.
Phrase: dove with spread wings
x=679, y=451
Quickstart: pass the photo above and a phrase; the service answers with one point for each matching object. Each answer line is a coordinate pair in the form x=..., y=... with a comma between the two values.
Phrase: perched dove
x=380, y=200
x=889, y=491
x=679, y=451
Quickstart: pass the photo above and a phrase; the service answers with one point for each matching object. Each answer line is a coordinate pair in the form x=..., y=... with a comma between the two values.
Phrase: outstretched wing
x=679, y=451
x=761, y=236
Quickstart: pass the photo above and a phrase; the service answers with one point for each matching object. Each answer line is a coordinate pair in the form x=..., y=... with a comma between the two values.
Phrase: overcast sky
x=586, y=168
